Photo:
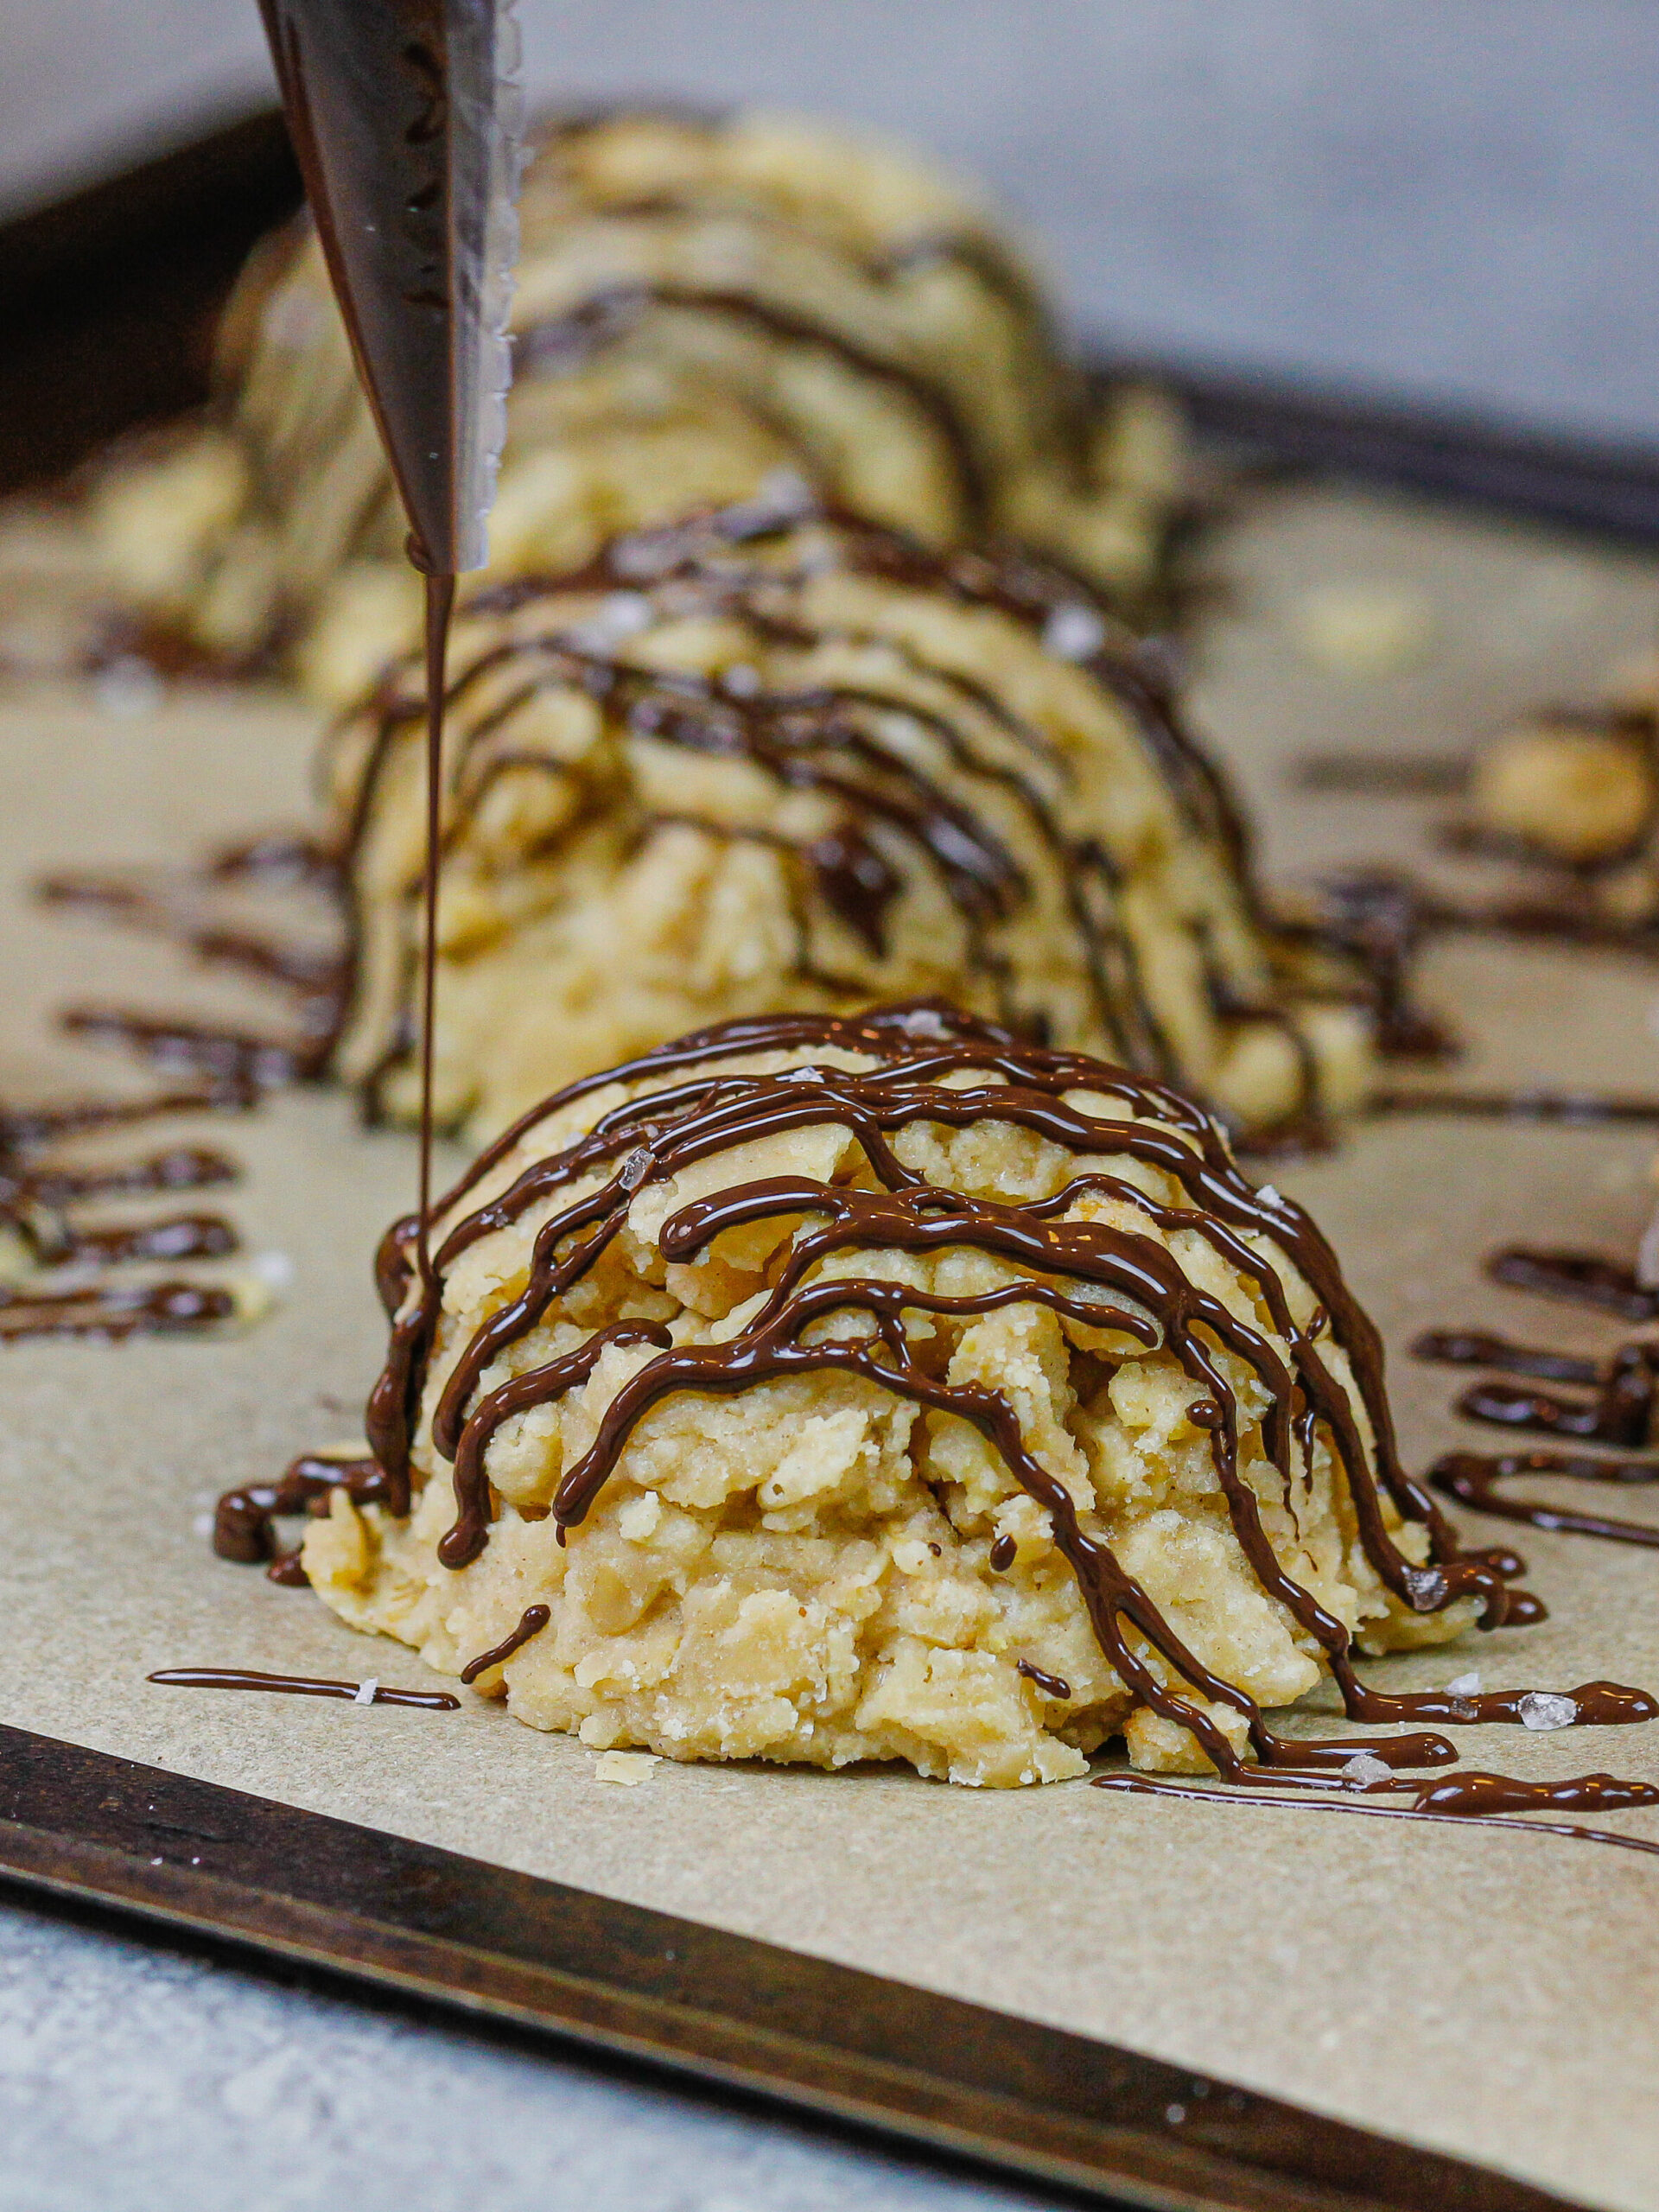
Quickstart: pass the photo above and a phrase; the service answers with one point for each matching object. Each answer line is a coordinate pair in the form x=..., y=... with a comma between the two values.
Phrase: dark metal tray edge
x=1062, y=2107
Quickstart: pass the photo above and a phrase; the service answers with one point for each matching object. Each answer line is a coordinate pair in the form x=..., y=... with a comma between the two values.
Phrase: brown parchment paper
x=1490, y=1993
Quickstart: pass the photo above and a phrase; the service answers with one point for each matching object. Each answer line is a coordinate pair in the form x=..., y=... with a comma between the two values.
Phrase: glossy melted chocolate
x=829, y=739
x=1085, y=1270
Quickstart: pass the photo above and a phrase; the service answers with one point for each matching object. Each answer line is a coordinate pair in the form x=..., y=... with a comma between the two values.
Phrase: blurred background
x=1449, y=202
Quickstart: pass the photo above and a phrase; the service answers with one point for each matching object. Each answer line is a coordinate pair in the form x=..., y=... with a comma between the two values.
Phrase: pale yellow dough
x=802, y=1571
x=605, y=887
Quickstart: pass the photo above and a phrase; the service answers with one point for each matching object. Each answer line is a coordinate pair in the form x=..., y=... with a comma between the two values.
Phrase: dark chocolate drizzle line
x=531, y=1622
x=247, y=1678
x=612, y=314
x=1572, y=1109
x=244, y=1523
x=39, y=1194
x=1614, y=1405
x=1473, y=1478
x=110, y=1313
x=1460, y=1797
x=1084, y=1269
x=1584, y=1278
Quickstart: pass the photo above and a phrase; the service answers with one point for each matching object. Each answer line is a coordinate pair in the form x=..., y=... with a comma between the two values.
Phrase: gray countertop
x=134, y=2074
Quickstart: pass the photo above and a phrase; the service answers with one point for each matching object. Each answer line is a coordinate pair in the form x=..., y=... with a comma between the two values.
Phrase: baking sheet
x=1485, y=1993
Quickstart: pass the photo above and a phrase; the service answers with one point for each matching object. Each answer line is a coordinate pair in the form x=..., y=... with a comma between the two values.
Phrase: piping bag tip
x=408, y=117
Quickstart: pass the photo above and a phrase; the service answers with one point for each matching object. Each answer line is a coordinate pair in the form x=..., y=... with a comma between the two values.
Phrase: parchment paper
x=1492, y=1994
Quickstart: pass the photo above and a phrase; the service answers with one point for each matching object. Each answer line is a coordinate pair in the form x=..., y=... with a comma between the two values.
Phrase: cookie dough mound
x=821, y=1391
x=772, y=761
x=699, y=303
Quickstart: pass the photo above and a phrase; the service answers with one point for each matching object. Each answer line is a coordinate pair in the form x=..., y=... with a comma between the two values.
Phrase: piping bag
x=408, y=120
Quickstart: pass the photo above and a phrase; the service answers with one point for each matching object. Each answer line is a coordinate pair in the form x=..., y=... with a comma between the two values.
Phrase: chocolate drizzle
x=247, y=1678
x=1460, y=1797
x=41, y=1193
x=531, y=1622
x=927, y=1064
x=1613, y=1406
x=244, y=1524
x=1473, y=1478
x=862, y=744
x=1585, y=1278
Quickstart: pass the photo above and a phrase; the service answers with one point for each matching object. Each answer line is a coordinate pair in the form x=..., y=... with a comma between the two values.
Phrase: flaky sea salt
x=1074, y=631
x=635, y=1168
x=1545, y=1709
x=1464, y=1685
x=366, y=1690
x=1368, y=1769
x=1424, y=1587
x=1268, y=1195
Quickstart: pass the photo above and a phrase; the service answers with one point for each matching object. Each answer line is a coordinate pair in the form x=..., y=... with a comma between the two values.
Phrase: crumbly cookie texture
x=699, y=303
x=842, y=1357
x=772, y=760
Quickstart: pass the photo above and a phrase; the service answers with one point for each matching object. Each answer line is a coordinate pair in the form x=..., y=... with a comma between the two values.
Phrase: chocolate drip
x=244, y=1523
x=23, y=1130
x=1465, y=1796
x=1584, y=1277
x=314, y=973
x=245, y=1678
x=279, y=856
x=38, y=1196
x=1577, y=1109
x=1479, y=1348
x=1620, y=1412
x=111, y=1313
x=237, y=1061
x=1473, y=1478
x=1054, y=1686
x=1084, y=1269
x=531, y=1622
x=187, y=1167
